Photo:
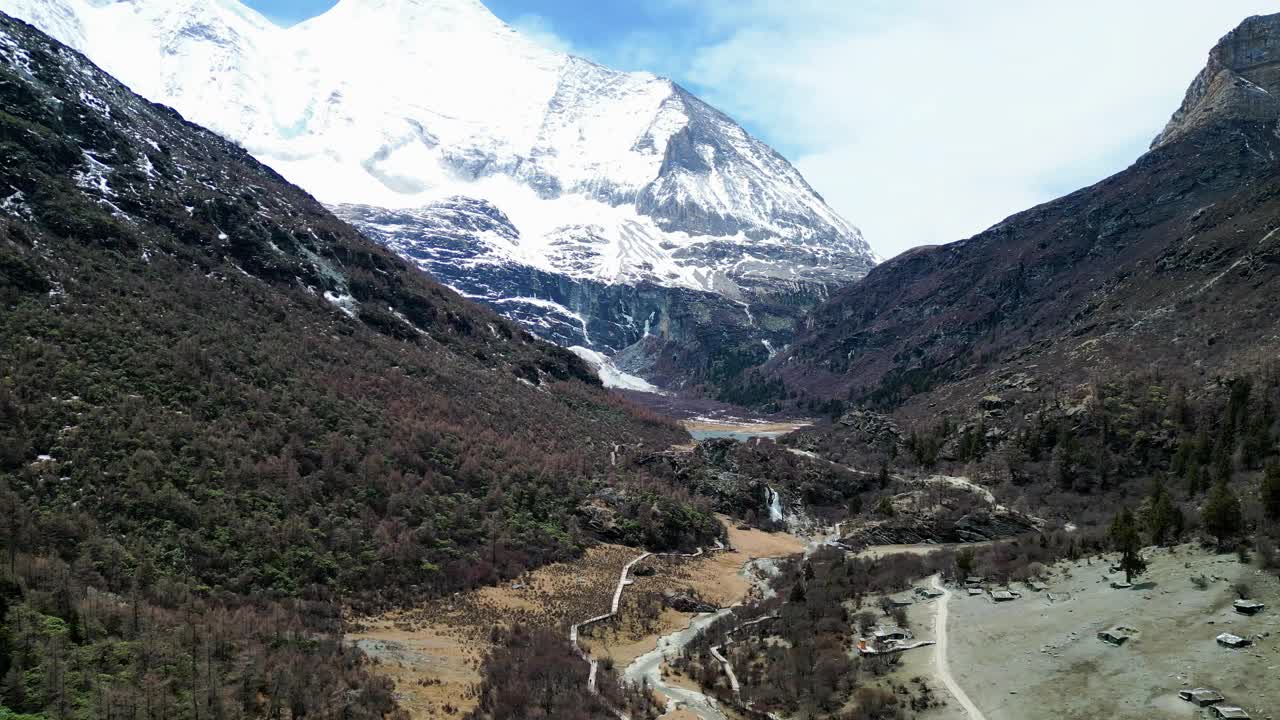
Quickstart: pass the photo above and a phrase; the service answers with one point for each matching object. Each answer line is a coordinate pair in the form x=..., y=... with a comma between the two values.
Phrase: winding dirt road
x=940, y=652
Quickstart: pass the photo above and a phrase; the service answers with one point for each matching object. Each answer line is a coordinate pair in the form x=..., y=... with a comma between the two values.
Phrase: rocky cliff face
x=1241, y=81
x=918, y=519
x=1171, y=263
x=676, y=336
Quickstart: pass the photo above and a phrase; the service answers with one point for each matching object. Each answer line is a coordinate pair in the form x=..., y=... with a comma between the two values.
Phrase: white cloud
x=925, y=122
x=539, y=29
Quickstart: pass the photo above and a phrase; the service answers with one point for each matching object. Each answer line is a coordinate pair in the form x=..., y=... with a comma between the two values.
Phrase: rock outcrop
x=1240, y=82
x=917, y=520
x=686, y=601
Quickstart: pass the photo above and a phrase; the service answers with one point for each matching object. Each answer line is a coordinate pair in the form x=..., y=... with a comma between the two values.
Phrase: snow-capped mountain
x=398, y=108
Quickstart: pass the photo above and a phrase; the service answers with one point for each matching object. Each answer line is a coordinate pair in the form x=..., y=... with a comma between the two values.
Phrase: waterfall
x=775, y=504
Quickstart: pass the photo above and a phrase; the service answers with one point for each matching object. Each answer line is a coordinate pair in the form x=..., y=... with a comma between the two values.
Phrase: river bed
x=648, y=667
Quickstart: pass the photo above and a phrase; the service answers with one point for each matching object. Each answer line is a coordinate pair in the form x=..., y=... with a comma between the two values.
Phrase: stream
x=648, y=667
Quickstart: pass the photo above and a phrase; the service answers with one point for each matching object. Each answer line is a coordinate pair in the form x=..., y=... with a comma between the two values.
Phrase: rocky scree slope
x=1170, y=263
x=625, y=207
x=209, y=373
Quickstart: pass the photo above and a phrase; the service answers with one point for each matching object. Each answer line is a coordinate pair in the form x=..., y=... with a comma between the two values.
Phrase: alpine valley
x=302, y=412
x=610, y=211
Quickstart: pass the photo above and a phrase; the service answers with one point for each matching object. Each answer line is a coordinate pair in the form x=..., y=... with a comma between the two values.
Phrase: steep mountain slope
x=1170, y=265
x=607, y=182
x=205, y=365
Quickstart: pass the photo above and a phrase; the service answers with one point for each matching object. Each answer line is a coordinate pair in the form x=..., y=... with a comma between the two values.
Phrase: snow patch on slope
x=610, y=375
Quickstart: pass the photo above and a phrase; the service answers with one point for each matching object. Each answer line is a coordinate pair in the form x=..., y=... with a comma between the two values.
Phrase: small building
x=1249, y=607
x=890, y=633
x=928, y=593
x=1004, y=595
x=1121, y=584
x=1229, y=712
x=1228, y=640
x=973, y=580
x=1037, y=586
x=901, y=601
x=1117, y=635
x=1201, y=697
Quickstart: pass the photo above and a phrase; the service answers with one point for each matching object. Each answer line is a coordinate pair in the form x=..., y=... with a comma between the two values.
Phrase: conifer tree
x=1126, y=540
x=1271, y=492
x=1163, y=519
x=1222, y=515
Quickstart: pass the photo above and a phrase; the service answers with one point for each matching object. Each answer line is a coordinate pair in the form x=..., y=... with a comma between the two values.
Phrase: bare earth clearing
x=1039, y=658
x=433, y=652
x=758, y=428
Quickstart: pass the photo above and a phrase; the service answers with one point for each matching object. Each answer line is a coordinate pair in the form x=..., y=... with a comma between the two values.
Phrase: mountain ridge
x=611, y=180
x=240, y=333
x=1166, y=264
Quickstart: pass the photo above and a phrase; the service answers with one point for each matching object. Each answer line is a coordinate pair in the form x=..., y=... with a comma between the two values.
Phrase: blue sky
x=921, y=121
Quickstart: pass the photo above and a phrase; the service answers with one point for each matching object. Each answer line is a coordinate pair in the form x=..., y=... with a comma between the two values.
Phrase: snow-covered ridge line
x=618, y=177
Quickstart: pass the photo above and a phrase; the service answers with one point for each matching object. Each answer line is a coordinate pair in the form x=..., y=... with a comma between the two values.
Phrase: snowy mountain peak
x=435, y=9
x=607, y=177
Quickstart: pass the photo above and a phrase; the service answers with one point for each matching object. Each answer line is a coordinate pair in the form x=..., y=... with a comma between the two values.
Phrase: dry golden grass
x=715, y=577
x=435, y=668
x=433, y=652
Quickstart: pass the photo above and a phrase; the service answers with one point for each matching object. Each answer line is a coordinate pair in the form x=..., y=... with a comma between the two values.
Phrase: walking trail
x=647, y=667
x=940, y=653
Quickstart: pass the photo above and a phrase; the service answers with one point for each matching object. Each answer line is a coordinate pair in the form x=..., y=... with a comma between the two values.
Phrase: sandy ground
x=433, y=652
x=920, y=662
x=941, y=659
x=1039, y=658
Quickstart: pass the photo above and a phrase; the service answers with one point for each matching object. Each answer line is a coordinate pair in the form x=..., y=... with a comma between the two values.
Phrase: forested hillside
x=223, y=413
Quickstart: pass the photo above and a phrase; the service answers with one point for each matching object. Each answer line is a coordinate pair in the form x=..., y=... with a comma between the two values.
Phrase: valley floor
x=1039, y=657
x=1035, y=658
x=433, y=653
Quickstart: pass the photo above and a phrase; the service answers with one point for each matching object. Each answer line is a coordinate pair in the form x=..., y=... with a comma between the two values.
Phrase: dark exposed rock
x=686, y=601
x=939, y=513
x=916, y=528
x=872, y=427
x=737, y=477
x=670, y=335
x=1241, y=81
